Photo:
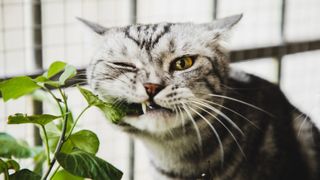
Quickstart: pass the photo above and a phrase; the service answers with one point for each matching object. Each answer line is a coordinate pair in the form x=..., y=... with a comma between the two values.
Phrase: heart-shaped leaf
x=69, y=72
x=55, y=68
x=65, y=175
x=42, y=119
x=85, y=140
x=24, y=174
x=17, y=87
x=87, y=165
x=11, y=147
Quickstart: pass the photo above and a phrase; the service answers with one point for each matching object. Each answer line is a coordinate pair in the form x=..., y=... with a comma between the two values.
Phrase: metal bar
x=215, y=9
x=274, y=51
x=131, y=163
x=37, y=55
x=283, y=39
x=235, y=56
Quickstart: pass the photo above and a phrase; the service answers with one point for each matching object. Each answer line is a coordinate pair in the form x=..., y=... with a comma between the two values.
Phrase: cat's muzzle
x=138, y=109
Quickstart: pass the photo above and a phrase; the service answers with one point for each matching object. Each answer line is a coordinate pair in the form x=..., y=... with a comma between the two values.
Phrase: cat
x=198, y=117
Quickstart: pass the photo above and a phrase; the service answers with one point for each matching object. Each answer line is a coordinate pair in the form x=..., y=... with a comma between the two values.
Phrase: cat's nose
x=152, y=89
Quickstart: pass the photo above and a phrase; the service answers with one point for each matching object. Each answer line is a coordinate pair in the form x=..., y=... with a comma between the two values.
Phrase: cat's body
x=285, y=145
x=197, y=118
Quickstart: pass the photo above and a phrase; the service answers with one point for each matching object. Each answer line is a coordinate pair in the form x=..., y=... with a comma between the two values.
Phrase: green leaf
x=53, y=133
x=45, y=80
x=42, y=119
x=69, y=72
x=38, y=160
x=112, y=112
x=12, y=164
x=65, y=175
x=24, y=174
x=11, y=147
x=87, y=165
x=90, y=97
x=85, y=140
x=3, y=166
x=17, y=87
x=55, y=68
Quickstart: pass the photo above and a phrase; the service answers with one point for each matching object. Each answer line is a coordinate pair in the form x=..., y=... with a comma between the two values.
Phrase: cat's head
x=159, y=69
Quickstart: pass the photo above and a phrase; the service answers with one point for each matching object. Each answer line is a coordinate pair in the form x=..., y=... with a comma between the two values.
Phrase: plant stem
x=55, y=98
x=6, y=174
x=77, y=119
x=55, y=171
x=62, y=136
x=47, y=143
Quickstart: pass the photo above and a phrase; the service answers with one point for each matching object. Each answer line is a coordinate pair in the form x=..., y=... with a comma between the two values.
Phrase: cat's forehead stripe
x=147, y=36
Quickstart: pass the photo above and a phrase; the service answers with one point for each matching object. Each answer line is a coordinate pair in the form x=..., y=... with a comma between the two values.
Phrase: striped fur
x=223, y=123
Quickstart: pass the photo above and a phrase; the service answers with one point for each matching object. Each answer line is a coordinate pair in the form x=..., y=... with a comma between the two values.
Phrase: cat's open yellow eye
x=182, y=63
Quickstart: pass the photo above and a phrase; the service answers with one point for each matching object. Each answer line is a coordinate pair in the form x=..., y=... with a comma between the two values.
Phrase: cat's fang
x=144, y=107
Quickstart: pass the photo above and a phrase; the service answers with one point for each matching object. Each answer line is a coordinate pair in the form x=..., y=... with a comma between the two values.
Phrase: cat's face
x=159, y=69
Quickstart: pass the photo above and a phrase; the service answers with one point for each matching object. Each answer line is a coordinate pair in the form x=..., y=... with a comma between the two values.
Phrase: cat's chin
x=155, y=121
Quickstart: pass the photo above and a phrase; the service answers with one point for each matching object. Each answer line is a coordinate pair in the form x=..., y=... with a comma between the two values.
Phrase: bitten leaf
x=42, y=119
x=112, y=112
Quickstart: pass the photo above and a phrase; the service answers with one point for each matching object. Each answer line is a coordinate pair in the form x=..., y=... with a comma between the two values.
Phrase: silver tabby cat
x=197, y=117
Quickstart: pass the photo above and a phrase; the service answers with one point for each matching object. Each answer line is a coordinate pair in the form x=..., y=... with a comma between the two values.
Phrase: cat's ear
x=98, y=29
x=224, y=24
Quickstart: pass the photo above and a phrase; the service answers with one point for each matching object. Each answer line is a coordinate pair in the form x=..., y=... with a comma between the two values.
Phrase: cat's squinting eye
x=182, y=63
x=125, y=65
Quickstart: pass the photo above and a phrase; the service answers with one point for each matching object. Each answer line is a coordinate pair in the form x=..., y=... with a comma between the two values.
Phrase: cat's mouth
x=138, y=109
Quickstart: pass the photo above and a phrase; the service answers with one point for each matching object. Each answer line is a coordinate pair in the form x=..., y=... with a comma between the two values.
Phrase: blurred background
x=278, y=40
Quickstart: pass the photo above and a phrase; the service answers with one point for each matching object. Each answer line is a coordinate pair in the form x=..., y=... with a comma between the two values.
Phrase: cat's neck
x=176, y=154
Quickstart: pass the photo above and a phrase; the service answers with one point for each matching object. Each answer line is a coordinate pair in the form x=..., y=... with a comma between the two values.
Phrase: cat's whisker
x=112, y=78
x=175, y=109
x=80, y=84
x=185, y=108
x=115, y=101
x=182, y=119
x=178, y=113
x=303, y=122
x=242, y=102
x=82, y=73
x=176, y=118
x=229, y=109
x=215, y=117
x=118, y=102
x=214, y=131
x=218, y=112
x=78, y=79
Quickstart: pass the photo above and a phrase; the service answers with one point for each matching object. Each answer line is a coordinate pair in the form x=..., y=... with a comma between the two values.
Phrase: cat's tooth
x=144, y=107
x=148, y=103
